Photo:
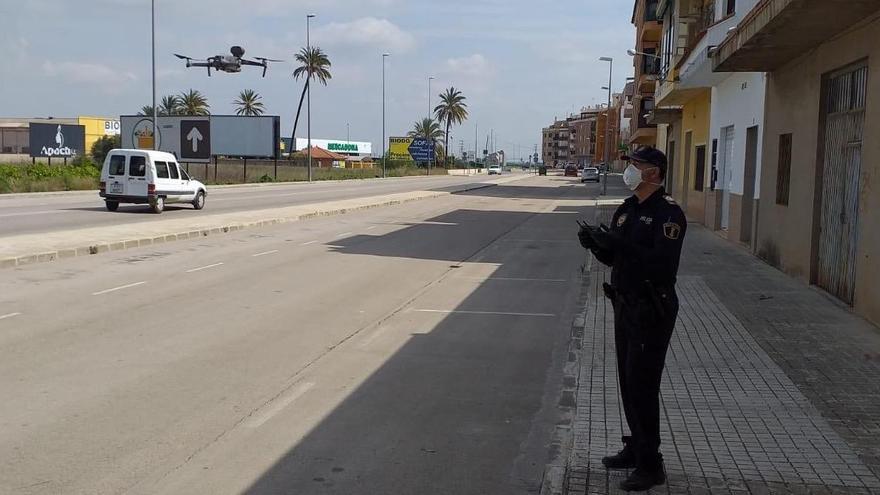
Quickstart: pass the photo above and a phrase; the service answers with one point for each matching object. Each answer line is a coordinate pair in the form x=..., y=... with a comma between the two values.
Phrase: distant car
x=590, y=174
x=571, y=171
x=494, y=169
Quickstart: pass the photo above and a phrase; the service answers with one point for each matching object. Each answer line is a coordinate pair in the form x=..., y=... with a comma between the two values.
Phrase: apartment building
x=820, y=219
x=648, y=32
x=571, y=140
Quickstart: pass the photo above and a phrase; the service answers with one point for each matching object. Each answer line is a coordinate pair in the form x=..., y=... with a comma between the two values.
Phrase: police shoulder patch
x=622, y=219
x=672, y=230
x=670, y=200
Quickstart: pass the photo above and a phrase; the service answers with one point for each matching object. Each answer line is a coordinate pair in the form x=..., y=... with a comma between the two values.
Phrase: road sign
x=421, y=150
x=195, y=140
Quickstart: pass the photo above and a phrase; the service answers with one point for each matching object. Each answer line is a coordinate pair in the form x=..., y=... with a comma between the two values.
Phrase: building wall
x=95, y=129
x=786, y=233
x=695, y=119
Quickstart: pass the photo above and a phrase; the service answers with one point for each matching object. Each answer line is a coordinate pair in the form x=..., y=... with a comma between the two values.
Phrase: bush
x=103, y=146
x=266, y=178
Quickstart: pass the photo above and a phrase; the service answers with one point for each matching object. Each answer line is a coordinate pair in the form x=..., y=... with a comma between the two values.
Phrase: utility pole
x=384, y=150
x=155, y=110
x=309, y=91
x=430, y=138
x=607, y=126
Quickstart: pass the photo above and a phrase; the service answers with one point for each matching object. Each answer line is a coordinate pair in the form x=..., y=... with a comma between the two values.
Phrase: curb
x=104, y=247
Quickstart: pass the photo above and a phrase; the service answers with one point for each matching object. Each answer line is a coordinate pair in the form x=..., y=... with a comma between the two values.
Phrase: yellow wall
x=94, y=129
x=695, y=118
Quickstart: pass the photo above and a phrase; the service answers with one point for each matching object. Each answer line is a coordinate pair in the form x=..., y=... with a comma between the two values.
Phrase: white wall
x=739, y=101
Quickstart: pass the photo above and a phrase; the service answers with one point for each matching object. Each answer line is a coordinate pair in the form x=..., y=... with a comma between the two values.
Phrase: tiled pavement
x=770, y=386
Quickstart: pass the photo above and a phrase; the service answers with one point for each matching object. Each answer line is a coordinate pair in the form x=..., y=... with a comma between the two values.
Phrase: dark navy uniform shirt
x=651, y=235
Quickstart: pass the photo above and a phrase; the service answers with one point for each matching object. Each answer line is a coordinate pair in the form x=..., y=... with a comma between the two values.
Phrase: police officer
x=643, y=245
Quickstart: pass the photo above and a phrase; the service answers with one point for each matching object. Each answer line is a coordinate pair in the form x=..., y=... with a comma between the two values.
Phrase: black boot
x=646, y=475
x=625, y=459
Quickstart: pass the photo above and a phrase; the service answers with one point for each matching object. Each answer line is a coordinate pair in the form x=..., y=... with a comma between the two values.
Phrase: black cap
x=648, y=154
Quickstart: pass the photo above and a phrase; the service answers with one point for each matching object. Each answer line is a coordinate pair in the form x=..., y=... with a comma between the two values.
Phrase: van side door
x=116, y=175
x=136, y=182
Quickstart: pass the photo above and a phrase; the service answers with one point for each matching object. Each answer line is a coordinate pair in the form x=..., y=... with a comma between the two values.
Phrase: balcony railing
x=705, y=18
x=650, y=66
x=651, y=11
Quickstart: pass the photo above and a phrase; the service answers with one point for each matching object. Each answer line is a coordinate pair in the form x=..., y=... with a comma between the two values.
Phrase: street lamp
x=430, y=138
x=384, y=150
x=309, y=91
x=633, y=53
x=607, y=125
x=155, y=112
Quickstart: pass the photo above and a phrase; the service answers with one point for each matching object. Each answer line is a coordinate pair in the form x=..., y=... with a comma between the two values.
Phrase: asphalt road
x=407, y=349
x=48, y=213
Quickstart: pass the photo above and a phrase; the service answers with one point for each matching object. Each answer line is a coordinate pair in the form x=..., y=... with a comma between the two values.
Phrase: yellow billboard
x=398, y=148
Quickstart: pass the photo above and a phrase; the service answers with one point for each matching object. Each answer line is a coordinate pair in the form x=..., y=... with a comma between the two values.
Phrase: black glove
x=586, y=239
x=607, y=240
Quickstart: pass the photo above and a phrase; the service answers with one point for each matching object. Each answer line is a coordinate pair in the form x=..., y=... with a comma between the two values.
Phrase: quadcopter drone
x=226, y=63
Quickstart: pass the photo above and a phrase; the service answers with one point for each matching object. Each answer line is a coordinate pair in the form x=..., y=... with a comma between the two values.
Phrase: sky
x=520, y=63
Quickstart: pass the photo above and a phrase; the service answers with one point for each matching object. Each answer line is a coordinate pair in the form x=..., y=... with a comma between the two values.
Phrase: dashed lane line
x=121, y=287
x=10, y=315
x=266, y=253
x=206, y=267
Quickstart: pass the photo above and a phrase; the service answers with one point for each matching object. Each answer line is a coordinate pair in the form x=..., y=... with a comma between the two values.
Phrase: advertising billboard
x=245, y=136
x=337, y=146
x=57, y=140
x=398, y=148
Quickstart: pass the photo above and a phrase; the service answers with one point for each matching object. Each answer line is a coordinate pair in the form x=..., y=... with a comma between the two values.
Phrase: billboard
x=245, y=136
x=398, y=148
x=198, y=138
x=341, y=146
x=57, y=140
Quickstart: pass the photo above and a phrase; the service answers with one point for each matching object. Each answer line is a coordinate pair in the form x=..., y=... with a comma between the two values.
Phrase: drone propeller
x=265, y=63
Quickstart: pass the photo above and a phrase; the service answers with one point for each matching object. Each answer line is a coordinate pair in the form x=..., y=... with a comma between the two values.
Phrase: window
x=730, y=7
x=137, y=166
x=783, y=170
x=183, y=175
x=714, y=178
x=161, y=170
x=172, y=167
x=117, y=165
x=700, y=175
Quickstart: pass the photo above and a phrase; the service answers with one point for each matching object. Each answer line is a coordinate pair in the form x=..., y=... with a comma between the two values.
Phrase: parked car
x=571, y=171
x=590, y=174
x=494, y=169
x=148, y=177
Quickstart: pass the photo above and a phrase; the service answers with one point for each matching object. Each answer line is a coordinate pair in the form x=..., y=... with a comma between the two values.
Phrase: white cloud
x=473, y=65
x=471, y=73
x=105, y=77
x=380, y=33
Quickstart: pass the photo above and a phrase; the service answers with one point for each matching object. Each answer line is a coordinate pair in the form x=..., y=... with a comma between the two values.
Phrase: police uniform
x=643, y=246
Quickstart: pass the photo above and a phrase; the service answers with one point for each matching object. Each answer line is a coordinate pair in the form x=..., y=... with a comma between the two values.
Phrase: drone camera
x=237, y=51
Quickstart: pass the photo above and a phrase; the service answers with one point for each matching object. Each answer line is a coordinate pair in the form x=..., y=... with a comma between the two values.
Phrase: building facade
x=648, y=32
x=572, y=140
x=818, y=219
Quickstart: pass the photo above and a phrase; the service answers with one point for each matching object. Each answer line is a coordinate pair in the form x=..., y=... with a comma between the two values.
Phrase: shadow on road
x=470, y=405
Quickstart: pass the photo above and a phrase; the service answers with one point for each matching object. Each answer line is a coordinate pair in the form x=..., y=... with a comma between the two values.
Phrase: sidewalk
x=771, y=386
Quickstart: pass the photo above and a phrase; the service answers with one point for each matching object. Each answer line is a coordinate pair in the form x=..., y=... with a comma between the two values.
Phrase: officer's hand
x=609, y=241
x=586, y=239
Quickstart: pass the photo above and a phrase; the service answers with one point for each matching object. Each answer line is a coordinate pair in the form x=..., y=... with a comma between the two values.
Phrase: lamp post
x=384, y=150
x=309, y=91
x=430, y=138
x=607, y=126
x=155, y=111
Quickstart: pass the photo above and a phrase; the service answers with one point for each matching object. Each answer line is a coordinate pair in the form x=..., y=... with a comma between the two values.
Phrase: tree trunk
x=296, y=121
x=446, y=145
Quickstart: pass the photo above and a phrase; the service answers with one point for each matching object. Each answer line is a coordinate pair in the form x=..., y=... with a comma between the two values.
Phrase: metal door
x=838, y=236
x=725, y=175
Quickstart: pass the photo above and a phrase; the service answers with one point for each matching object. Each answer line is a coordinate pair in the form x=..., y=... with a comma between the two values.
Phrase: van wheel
x=112, y=205
x=199, y=202
x=158, y=205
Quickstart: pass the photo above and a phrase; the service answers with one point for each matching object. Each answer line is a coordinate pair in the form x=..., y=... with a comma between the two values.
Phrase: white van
x=148, y=177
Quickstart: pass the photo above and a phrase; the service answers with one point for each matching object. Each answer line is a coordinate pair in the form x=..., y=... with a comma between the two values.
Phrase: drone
x=227, y=63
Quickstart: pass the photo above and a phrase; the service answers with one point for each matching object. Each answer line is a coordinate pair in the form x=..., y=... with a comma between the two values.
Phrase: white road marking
x=203, y=268
x=491, y=313
x=308, y=243
x=128, y=286
x=371, y=227
x=10, y=315
x=45, y=212
x=513, y=279
x=278, y=405
x=343, y=234
x=264, y=254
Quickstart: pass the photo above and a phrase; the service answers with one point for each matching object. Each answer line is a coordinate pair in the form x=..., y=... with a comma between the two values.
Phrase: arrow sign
x=195, y=136
x=421, y=150
x=195, y=140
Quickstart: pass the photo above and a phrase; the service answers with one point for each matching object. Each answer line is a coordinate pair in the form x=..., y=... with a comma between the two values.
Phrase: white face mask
x=632, y=177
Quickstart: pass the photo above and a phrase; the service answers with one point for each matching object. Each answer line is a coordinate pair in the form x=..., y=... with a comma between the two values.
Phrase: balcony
x=776, y=32
x=650, y=28
x=649, y=73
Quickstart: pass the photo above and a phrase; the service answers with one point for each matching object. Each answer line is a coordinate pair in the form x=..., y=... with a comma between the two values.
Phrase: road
x=405, y=349
x=47, y=213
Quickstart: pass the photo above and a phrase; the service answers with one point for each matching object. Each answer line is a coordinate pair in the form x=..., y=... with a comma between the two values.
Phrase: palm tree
x=146, y=110
x=193, y=103
x=451, y=110
x=170, y=105
x=427, y=129
x=314, y=65
x=249, y=103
